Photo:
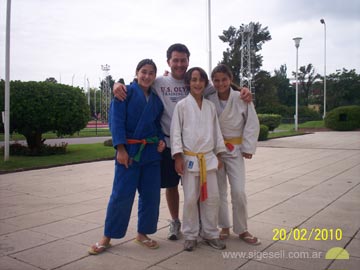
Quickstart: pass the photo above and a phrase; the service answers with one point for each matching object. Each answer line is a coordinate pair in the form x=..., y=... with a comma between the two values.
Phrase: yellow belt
x=202, y=167
x=229, y=143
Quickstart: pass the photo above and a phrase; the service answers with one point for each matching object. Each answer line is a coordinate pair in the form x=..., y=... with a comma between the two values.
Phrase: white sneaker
x=174, y=231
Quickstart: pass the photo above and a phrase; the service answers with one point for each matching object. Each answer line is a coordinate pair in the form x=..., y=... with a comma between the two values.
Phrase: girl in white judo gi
x=196, y=141
x=240, y=128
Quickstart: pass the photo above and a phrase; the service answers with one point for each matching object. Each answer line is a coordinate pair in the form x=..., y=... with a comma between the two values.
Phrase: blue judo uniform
x=135, y=118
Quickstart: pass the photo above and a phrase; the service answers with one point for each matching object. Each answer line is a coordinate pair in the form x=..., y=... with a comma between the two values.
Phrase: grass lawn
x=76, y=153
x=309, y=124
x=286, y=130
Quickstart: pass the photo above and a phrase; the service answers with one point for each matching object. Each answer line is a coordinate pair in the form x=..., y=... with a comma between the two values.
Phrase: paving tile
x=97, y=217
x=7, y=193
x=7, y=263
x=293, y=257
x=91, y=237
x=20, y=240
x=7, y=228
x=258, y=265
x=324, y=244
x=106, y=261
x=280, y=218
x=348, y=226
x=351, y=264
x=52, y=255
x=73, y=210
x=215, y=259
x=65, y=228
x=152, y=256
x=33, y=220
x=354, y=248
x=264, y=230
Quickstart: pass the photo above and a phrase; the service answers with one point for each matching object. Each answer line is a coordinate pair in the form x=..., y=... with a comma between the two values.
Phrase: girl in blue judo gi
x=138, y=140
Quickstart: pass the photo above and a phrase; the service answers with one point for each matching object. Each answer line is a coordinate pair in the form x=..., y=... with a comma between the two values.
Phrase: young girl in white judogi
x=240, y=128
x=196, y=140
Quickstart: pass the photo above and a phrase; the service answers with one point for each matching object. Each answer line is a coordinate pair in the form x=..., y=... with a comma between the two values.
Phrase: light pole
x=323, y=22
x=6, y=113
x=297, y=44
x=209, y=34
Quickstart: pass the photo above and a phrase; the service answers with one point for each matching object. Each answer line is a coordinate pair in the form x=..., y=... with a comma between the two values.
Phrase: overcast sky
x=71, y=39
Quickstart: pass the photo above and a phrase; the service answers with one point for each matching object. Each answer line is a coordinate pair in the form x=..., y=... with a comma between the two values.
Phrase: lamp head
x=297, y=41
x=322, y=21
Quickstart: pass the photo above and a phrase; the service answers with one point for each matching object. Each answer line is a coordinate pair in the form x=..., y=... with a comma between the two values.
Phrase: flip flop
x=149, y=243
x=97, y=249
x=252, y=240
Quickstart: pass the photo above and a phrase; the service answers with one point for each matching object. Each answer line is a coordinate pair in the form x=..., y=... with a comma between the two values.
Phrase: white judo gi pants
x=234, y=170
x=209, y=208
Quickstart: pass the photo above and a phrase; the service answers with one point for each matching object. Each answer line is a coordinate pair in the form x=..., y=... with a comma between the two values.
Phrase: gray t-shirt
x=170, y=91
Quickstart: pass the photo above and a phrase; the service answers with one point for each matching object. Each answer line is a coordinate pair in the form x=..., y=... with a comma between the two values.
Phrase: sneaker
x=190, y=245
x=174, y=231
x=215, y=243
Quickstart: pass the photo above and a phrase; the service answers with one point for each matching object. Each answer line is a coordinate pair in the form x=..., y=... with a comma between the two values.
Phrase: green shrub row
x=272, y=121
x=17, y=149
x=343, y=118
x=287, y=113
x=264, y=132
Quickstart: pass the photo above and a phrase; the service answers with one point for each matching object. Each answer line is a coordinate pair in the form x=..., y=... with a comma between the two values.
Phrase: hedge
x=343, y=118
x=264, y=132
x=272, y=121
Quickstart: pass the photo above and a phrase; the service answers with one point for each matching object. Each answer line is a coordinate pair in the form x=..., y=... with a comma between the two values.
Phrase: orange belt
x=143, y=142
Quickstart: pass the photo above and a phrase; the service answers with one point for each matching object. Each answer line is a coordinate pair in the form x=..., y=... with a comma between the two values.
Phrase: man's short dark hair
x=177, y=47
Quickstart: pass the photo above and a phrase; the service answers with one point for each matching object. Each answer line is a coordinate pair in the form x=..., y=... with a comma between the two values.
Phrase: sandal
x=224, y=233
x=149, y=243
x=249, y=239
x=224, y=236
x=97, y=249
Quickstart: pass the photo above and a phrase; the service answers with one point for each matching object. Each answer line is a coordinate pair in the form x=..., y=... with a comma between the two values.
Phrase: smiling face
x=178, y=63
x=221, y=82
x=146, y=76
x=197, y=84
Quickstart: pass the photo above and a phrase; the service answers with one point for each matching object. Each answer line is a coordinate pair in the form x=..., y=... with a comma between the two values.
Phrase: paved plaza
x=303, y=199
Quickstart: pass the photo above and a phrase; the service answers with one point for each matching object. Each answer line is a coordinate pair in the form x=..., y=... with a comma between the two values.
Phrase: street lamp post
x=6, y=113
x=297, y=44
x=323, y=22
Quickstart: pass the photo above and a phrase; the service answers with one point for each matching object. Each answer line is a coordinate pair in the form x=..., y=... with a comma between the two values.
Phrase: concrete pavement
x=303, y=199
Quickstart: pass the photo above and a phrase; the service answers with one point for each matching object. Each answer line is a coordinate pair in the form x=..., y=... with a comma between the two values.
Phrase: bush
x=40, y=107
x=108, y=143
x=307, y=114
x=343, y=118
x=17, y=149
x=264, y=132
x=272, y=121
x=287, y=113
x=283, y=110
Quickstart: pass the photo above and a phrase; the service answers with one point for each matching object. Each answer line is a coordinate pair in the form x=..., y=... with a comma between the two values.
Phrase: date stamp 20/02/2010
x=303, y=234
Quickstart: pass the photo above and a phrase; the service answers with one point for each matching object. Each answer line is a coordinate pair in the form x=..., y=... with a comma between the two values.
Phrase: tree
x=285, y=92
x=39, y=107
x=265, y=94
x=51, y=79
x=343, y=88
x=306, y=77
x=231, y=57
